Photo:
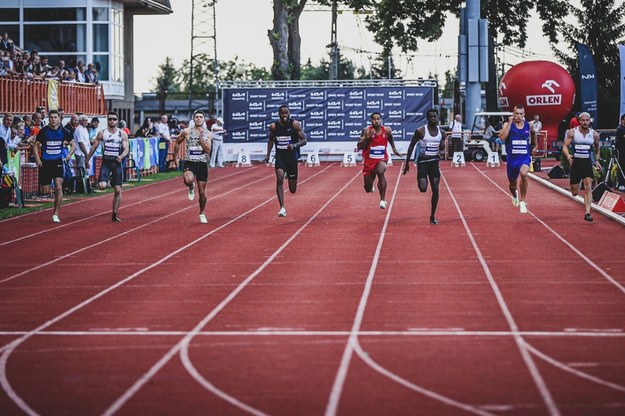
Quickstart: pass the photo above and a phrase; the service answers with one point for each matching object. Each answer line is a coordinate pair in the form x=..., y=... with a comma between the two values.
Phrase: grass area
x=36, y=205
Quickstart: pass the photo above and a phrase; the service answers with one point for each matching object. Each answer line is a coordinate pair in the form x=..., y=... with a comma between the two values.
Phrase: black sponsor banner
x=326, y=114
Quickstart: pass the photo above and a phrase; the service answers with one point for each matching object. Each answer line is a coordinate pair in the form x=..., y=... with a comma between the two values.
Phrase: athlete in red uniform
x=373, y=142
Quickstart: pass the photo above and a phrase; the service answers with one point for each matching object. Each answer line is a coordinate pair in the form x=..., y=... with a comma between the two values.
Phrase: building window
x=55, y=38
x=44, y=14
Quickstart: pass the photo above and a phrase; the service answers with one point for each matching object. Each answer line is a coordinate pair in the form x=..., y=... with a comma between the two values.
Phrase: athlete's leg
x=587, y=194
x=575, y=188
x=201, y=187
x=434, y=182
x=369, y=178
x=117, y=200
x=292, y=185
x=523, y=187
x=280, y=186
x=379, y=172
x=58, y=195
x=189, y=179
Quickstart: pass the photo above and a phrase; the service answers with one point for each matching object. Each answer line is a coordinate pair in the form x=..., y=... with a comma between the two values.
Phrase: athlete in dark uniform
x=429, y=139
x=584, y=138
x=50, y=139
x=373, y=142
x=198, y=149
x=115, y=149
x=519, y=137
x=288, y=136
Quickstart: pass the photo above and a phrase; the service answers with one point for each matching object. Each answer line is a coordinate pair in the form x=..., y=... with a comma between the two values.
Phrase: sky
x=245, y=35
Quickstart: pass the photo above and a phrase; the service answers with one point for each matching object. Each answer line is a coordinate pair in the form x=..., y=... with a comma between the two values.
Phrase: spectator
x=122, y=126
x=6, y=43
x=491, y=136
x=574, y=121
x=83, y=146
x=455, y=127
x=146, y=128
x=72, y=124
x=217, y=152
x=164, y=137
x=92, y=128
x=80, y=74
x=42, y=113
x=5, y=137
x=91, y=74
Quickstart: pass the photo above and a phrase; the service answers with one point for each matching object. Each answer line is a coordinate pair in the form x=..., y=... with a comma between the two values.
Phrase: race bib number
x=431, y=149
x=54, y=147
x=582, y=151
x=111, y=149
x=377, y=152
x=282, y=142
x=196, y=153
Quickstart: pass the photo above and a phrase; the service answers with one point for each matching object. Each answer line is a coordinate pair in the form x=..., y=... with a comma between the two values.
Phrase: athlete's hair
x=198, y=112
x=432, y=110
x=54, y=112
x=112, y=113
x=519, y=107
x=584, y=114
x=283, y=106
x=373, y=114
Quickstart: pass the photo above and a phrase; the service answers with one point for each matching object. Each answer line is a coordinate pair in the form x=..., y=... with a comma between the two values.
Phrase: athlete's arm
x=505, y=130
x=418, y=135
x=272, y=136
x=181, y=137
x=389, y=135
x=567, y=142
x=96, y=143
x=300, y=134
x=365, y=138
x=597, y=150
x=207, y=144
x=125, y=147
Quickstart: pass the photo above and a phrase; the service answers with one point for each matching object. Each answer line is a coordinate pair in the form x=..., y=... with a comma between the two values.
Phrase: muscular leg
x=523, y=174
x=117, y=199
x=587, y=194
x=379, y=172
x=58, y=194
x=280, y=186
x=201, y=187
x=369, y=178
x=292, y=185
x=188, y=178
x=513, y=188
x=435, y=195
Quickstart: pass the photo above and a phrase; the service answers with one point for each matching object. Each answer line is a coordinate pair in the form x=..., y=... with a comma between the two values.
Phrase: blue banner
x=326, y=114
x=621, y=49
x=588, y=81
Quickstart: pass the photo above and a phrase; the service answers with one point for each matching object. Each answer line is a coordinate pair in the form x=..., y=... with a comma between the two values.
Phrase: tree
x=285, y=39
x=166, y=82
x=599, y=25
x=347, y=70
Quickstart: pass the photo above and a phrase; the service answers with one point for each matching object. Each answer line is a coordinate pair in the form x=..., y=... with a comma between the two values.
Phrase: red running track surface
x=339, y=308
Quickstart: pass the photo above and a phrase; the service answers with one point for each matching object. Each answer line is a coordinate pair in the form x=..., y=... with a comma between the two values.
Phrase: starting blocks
x=244, y=159
x=458, y=159
x=349, y=159
x=493, y=160
x=312, y=159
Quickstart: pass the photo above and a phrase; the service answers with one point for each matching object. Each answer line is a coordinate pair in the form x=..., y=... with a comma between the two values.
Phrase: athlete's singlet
x=375, y=151
x=583, y=143
x=112, y=144
x=284, y=135
x=429, y=146
x=195, y=152
x=518, y=142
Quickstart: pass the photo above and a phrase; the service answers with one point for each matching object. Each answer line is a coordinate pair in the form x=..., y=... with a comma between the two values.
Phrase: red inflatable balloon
x=543, y=88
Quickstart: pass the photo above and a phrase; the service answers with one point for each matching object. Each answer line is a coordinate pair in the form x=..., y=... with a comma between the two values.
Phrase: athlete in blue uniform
x=288, y=136
x=115, y=149
x=585, y=139
x=516, y=134
x=51, y=140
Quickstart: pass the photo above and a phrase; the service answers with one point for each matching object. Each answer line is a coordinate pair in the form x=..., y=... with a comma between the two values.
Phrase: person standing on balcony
x=114, y=150
x=50, y=140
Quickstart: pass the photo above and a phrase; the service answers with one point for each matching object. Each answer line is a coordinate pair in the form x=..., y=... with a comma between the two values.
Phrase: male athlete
x=584, y=139
x=288, y=136
x=115, y=150
x=429, y=139
x=373, y=142
x=518, y=136
x=199, y=140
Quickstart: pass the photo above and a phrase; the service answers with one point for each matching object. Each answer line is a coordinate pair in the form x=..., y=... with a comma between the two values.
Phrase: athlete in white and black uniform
x=583, y=138
x=288, y=136
x=429, y=139
x=198, y=149
x=115, y=148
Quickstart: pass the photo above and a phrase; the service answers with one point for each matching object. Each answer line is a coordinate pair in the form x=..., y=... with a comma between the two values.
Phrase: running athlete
x=50, y=140
x=583, y=138
x=519, y=138
x=115, y=149
x=373, y=142
x=288, y=136
x=198, y=149
x=429, y=139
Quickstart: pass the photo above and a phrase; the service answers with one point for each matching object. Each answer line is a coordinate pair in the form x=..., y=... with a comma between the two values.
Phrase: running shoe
x=115, y=218
x=515, y=201
x=523, y=207
x=203, y=219
x=433, y=221
x=282, y=212
x=191, y=194
x=382, y=204
x=621, y=188
x=588, y=217
x=55, y=218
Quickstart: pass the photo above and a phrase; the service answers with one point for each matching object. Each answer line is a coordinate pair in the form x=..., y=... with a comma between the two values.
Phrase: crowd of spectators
x=24, y=64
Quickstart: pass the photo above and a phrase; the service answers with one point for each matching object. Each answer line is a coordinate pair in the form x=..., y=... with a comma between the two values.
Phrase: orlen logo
x=317, y=95
x=395, y=114
x=395, y=94
x=356, y=114
x=374, y=103
x=278, y=95
x=547, y=99
x=356, y=94
x=257, y=125
x=238, y=135
x=238, y=96
x=334, y=124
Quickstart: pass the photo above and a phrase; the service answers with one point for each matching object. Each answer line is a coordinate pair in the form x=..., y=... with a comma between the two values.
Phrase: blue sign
x=326, y=114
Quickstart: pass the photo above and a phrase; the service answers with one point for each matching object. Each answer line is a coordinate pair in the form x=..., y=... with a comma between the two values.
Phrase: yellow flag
x=53, y=94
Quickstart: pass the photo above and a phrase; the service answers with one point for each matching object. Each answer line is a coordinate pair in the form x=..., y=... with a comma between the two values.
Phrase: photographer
x=619, y=144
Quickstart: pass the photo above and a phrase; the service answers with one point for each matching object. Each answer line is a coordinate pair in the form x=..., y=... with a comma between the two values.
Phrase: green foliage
x=598, y=24
x=347, y=70
x=166, y=78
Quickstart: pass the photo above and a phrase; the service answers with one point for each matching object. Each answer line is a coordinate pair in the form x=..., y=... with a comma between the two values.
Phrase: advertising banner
x=588, y=81
x=326, y=114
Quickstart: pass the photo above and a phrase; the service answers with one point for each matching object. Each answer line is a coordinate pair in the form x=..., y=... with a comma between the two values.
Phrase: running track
x=338, y=309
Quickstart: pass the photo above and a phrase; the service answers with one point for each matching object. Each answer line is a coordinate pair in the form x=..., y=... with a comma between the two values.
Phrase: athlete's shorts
x=111, y=171
x=580, y=169
x=428, y=169
x=369, y=165
x=288, y=163
x=49, y=170
x=513, y=165
x=198, y=169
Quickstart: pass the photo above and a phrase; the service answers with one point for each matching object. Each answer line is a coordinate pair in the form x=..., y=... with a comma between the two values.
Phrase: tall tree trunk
x=295, y=41
x=279, y=38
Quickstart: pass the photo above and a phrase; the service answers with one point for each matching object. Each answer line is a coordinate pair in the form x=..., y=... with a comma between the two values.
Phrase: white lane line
x=66, y=224
x=117, y=405
x=525, y=354
x=9, y=348
x=131, y=230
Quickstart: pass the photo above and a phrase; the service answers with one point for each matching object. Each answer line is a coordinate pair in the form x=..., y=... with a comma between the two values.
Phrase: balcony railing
x=18, y=96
